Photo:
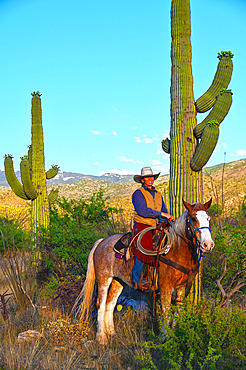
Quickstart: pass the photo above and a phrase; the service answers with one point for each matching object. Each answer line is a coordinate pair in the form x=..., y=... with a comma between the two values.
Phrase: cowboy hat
x=145, y=172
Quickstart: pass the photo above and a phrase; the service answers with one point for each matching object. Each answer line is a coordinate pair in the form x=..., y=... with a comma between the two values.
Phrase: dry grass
x=13, y=207
x=67, y=344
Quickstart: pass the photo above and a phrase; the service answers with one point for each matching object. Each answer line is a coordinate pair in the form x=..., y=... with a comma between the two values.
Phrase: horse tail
x=83, y=301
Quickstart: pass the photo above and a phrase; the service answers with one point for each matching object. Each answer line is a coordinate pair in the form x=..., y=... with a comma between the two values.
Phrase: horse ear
x=187, y=205
x=208, y=204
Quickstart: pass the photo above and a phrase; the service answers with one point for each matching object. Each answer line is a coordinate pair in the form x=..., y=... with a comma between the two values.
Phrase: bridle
x=193, y=233
x=191, y=272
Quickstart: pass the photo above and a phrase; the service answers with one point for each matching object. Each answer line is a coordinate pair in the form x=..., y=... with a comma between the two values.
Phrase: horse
x=176, y=271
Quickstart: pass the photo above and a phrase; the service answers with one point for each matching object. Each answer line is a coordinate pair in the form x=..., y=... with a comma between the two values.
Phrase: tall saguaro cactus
x=191, y=145
x=33, y=175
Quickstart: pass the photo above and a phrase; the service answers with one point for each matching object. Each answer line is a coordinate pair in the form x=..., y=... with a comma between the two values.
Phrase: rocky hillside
x=231, y=179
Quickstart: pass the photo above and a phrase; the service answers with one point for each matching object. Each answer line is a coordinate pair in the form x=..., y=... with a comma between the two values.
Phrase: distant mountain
x=64, y=177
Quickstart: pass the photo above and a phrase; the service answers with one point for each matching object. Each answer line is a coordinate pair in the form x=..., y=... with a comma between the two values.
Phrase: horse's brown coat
x=105, y=268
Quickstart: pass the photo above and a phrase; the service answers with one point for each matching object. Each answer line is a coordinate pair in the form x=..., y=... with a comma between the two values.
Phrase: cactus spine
x=33, y=175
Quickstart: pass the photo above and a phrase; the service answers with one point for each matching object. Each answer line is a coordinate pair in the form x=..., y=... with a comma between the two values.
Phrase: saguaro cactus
x=191, y=145
x=33, y=175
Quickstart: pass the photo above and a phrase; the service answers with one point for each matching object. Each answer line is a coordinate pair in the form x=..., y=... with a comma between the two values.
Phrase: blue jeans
x=137, y=269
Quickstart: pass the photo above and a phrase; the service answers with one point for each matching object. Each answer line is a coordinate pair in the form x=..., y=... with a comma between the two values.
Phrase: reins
x=193, y=242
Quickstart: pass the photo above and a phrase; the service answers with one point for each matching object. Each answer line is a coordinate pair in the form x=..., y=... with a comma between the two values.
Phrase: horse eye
x=193, y=219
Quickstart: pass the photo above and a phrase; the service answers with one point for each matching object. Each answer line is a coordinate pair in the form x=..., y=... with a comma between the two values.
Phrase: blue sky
x=103, y=68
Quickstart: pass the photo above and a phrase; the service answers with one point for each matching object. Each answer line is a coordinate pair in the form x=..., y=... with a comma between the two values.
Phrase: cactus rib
x=218, y=113
x=206, y=146
x=221, y=80
x=13, y=182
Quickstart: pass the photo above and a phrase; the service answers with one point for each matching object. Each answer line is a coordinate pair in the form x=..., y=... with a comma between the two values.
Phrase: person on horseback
x=148, y=206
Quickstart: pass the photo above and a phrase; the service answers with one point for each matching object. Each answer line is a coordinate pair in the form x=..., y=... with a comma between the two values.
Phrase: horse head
x=198, y=221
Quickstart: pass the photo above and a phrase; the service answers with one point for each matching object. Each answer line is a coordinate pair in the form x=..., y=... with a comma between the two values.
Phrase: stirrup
x=142, y=285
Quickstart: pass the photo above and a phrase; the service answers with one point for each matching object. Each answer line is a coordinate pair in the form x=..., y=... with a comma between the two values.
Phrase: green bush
x=74, y=228
x=12, y=234
x=243, y=207
x=230, y=244
x=203, y=338
x=215, y=210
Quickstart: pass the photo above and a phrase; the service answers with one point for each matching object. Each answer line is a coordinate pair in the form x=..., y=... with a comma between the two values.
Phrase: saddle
x=122, y=245
x=149, y=272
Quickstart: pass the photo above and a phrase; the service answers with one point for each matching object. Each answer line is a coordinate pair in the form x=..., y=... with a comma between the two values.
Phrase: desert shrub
x=243, y=208
x=230, y=246
x=65, y=331
x=203, y=338
x=74, y=227
x=18, y=270
x=215, y=210
x=12, y=233
x=62, y=292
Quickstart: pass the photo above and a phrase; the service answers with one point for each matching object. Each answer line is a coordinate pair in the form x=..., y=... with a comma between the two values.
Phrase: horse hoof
x=111, y=333
x=102, y=339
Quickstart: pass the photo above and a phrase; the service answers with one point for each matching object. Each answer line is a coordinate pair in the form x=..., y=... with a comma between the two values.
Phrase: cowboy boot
x=142, y=285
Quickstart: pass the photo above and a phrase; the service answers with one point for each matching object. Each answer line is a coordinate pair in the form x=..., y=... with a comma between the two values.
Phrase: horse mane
x=178, y=227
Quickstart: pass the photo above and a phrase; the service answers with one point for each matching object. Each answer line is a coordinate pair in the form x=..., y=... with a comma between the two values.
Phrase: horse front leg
x=180, y=295
x=101, y=309
x=114, y=293
x=166, y=295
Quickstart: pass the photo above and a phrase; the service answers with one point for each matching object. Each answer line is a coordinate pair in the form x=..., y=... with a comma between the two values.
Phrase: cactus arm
x=166, y=145
x=218, y=113
x=26, y=179
x=30, y=159
x=13, y=182
x=53, y=196
x=221, y=81
x=206, y=146
x=52, y=172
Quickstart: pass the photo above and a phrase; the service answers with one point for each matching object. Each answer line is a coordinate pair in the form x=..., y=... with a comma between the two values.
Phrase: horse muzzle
x=207, y=246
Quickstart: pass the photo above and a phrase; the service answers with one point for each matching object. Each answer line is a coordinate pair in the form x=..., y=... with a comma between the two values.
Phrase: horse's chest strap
x=181, y=268
x=190, y=272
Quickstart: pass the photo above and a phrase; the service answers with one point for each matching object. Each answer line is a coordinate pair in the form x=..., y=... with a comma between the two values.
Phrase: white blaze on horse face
x=206, y=241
